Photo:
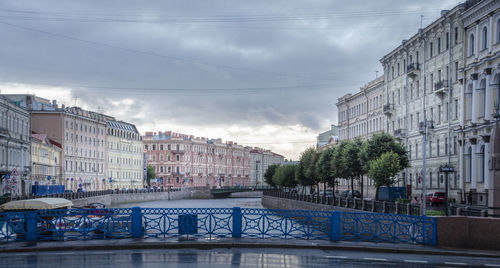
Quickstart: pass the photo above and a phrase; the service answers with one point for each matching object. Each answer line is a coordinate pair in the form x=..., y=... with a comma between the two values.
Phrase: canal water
x=197, y=203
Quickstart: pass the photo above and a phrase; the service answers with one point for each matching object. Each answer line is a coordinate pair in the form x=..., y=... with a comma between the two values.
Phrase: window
x=439, y=45
x=456, y=35
x=484, y=42
x=456, y=71
x=177, y=158
x=456, y=109
x=471, y=44
x=446, y=146
x=430, y=148
x=430, y=49
x=439, y=114
x=437, y=147
x=447, y=40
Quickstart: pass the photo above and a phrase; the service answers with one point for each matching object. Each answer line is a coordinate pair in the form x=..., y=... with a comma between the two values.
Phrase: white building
x=425, y=68
x=260, y=160
x=480, y=97
x=15, y=146
x=360, y=115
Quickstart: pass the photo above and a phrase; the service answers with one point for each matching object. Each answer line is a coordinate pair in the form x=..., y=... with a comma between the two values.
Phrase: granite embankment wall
x=283, y=203
x=110, y=199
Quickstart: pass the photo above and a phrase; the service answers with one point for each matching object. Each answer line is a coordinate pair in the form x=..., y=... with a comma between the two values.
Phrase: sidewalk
x=204, y=243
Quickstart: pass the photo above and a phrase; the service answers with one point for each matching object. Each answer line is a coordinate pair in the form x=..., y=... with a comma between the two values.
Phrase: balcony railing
x=412, y=69
x=399, y=133
x=441, y=88
x=388, y=109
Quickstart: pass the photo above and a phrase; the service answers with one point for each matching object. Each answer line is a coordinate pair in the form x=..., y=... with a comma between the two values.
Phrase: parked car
x=435, y=198
x=329, y=193
x=347, y=193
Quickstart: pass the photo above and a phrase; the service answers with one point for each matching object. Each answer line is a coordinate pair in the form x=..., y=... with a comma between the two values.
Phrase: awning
x=38, y=203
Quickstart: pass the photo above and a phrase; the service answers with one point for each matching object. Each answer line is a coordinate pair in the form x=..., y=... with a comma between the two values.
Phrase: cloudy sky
x=261, y=73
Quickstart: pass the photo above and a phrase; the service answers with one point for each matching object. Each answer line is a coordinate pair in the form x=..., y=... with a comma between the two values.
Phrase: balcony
x=421, y=126
x=441, y=88
x=413, y=69
x=388, y=109
x=399, y=133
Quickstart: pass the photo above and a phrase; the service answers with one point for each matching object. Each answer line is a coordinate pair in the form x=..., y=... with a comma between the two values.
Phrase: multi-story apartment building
x=82, y=136
x=360, y=115
x=15, y=148
x=422, y=85
x=260, y=159
x=183, y=160
x=124, y=156
x=45, y=160
x=480, y=97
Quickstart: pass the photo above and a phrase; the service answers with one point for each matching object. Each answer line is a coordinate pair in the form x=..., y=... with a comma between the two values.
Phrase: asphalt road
x=236, y=257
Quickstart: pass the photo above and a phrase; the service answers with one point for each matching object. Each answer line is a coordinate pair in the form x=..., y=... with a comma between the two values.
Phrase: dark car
x=348, y=193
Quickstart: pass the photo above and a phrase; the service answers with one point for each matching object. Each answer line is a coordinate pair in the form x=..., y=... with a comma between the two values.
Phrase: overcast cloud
x=261, y=73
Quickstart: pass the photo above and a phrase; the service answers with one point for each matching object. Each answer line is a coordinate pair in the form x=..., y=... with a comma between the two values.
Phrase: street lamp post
x=424, y=137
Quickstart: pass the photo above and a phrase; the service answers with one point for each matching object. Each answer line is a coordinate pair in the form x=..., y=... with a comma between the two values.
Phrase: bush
x=434, y=213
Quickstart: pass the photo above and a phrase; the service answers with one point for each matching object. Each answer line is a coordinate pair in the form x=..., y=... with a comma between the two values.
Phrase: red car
x=434, y=198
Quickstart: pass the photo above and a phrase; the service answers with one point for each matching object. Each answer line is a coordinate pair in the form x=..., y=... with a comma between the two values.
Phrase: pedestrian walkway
x=179, y=243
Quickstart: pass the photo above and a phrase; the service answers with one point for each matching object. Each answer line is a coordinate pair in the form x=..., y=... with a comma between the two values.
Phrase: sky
x=261, y=73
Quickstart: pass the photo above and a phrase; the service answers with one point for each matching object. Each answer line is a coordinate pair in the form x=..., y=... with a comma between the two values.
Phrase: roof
x=122, y=126
x=38, y=203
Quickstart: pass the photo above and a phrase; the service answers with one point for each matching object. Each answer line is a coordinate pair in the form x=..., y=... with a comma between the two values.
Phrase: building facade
x=45, y=160
x=480, y=97
x=260, y=160
x=15, y=168
x=360, y=115
x=124, y=156
x=328, y=138
x=423, y=95
x=183, y=160
x=82, y=135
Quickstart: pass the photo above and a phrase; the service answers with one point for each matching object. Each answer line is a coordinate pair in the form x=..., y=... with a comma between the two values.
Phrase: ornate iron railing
x=85, y=224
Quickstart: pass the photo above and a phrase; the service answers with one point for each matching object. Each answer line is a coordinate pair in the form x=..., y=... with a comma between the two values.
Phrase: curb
x=210, y=245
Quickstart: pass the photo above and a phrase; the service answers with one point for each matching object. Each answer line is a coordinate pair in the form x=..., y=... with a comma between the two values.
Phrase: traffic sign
x=446, y=169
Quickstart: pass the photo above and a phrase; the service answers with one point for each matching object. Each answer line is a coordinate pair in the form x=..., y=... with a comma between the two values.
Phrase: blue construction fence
x=85, y=224
x=43, y=190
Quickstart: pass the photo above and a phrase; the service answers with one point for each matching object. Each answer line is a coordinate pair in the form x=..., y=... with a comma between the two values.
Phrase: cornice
x=482, y=9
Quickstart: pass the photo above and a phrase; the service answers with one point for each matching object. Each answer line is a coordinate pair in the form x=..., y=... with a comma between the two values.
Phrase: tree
x=285, y=176
x=305, y=171
x=151, y=174
x=338, y=169
x=379, y=144
x=351, y=163
x=324, y=168
x=268, y=175
x=384, y=169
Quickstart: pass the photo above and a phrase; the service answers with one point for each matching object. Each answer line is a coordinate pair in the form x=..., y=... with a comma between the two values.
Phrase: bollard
x=396, y=208
x=459, y=211
x=384, y=207
x=484, y=213
x=408, y=211
x=374, y=209
x=363, y=206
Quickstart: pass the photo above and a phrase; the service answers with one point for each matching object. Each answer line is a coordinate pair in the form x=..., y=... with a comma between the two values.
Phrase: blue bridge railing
x=84, y=224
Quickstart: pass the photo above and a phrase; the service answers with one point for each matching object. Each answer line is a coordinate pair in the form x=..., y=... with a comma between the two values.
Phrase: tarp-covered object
x=38, y=203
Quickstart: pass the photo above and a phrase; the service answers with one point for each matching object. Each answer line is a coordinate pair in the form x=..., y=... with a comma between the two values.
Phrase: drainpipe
x=424, y=137
x=450, y=57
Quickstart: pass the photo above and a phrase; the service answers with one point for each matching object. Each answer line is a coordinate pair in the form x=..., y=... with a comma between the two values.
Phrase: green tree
x=268, y=175
x=305, y=172
x=338, y=169
x=151, y=174
x=324, y=168
x=351, y=163
x=379, y=144
x=384, y=169
x=285, y=176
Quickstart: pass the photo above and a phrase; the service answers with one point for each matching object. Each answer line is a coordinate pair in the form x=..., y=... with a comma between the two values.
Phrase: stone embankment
x=120, y=198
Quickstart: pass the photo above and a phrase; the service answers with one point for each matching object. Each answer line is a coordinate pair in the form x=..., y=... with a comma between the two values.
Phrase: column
x=473, y=166
x=474, y=98
x=488, y=97
x=486, y=160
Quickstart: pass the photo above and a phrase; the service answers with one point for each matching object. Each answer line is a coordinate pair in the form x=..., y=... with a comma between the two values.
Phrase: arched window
x=468, y=102
x=484, y=43
x=480, y=156
x=481, y=99
x=471, y=44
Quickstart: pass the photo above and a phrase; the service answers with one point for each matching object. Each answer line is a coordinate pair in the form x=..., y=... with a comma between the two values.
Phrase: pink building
x=183, y=160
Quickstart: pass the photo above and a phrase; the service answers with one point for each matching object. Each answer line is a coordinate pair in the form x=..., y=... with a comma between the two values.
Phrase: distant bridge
x=226, y=191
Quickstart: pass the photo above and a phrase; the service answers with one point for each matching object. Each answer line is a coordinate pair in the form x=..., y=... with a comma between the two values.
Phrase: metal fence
x=353, y=203
x=84, y=224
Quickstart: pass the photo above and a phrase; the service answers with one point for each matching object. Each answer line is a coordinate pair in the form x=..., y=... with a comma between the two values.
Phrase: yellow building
x=124, y=156
x=45, y=160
